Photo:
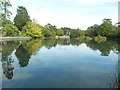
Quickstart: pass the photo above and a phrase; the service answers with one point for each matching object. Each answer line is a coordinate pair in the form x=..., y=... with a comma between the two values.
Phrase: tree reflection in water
x=25, y=49
x=7, y=60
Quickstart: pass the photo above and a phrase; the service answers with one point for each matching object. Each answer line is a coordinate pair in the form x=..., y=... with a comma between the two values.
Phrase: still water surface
x=60, y=63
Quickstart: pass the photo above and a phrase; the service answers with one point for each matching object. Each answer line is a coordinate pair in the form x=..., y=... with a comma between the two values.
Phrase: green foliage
x=21, y=17
x=74, y=33
x=87, y=38
x=81, y=33
x=4, y=11
x=31, y=29
x=66, y=30
x=81, y=37
x=89, y=32
x=46, y=32
x=92, y=31
x=99, y=39
x=105, y=27
x=49, y=30
x=10, y=30
x=60, y=32
x=5, y=21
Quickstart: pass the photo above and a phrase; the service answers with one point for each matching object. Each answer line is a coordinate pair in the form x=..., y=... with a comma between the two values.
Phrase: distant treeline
x=22, y=25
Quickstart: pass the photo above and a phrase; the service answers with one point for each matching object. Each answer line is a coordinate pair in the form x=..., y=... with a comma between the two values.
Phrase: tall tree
x=21, y=17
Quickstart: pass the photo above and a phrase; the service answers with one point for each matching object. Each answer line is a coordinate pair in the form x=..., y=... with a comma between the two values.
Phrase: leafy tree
x=32, y=29
x=10, y=29
x=4, y=11
x=52, y=28
x=92, y=31
x=49, y=30
x=113, y=33
x=21, y=17
x=105, y=27
x=46, y=32
x=5, y=21
x=60, y=32
x=66, y=30
x=81, y=32
x=74, y=33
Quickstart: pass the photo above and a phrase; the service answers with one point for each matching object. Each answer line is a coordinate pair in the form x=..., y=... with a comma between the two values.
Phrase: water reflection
x=7, y=49
x=25, y=49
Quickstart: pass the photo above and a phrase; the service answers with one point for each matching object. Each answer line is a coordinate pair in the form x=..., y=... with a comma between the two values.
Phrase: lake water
x=62, y=63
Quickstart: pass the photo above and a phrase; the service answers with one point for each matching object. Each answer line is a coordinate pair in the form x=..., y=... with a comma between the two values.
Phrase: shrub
x=10, y=30
x=31, y=29
x=87, y=38
x=60, y=32
x=99, y=39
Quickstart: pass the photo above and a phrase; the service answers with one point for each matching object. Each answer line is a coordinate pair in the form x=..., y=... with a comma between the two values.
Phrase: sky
x=69, y=13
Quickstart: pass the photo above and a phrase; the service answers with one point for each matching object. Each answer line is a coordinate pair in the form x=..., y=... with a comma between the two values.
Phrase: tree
x=66, y=30
x=49, y=30
x=4, y=11
x=105, y=27
x=21, y=17
x=32, y=29
x=81, y=32
x=5, y=21
x=74, y=33
x=46, y=32
x=9, y=29
x=60, y=32
x=92, y=30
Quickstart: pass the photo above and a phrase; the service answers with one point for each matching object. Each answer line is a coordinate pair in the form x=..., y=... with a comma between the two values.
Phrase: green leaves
x=105, y=27
x=60, y=32
x=32, y=29
x=10, y=30
x=4, y=11
x=21, y=18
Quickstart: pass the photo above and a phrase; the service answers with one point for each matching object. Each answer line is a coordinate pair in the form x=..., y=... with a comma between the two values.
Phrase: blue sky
x=69, y=13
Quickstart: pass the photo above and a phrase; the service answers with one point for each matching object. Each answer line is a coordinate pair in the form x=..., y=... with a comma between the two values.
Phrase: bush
x=100, y=39
x=60, y=32
x=81, y=37
x=31, y=29
x=87, y=38
x=10, y=30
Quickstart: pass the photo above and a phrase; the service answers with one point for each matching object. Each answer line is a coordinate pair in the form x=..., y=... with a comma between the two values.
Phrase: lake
x=59, y=63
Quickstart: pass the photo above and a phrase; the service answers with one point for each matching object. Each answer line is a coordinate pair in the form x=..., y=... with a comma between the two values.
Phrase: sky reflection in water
x=59, y=64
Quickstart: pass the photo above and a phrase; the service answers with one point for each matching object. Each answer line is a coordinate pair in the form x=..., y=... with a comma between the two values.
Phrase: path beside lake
x=14, y=38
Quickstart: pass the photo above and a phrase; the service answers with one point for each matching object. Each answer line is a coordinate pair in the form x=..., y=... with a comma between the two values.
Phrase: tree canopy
x=21, y=17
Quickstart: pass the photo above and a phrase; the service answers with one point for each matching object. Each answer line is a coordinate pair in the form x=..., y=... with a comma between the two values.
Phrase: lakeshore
x=14, y=38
